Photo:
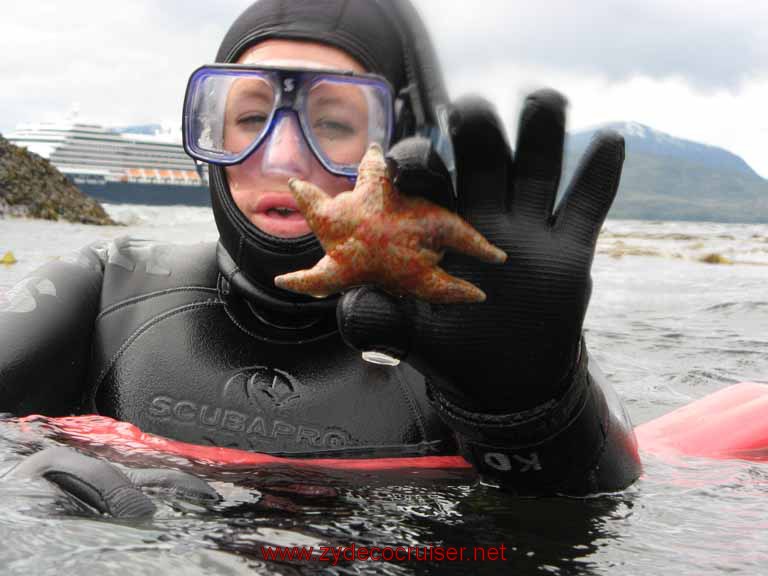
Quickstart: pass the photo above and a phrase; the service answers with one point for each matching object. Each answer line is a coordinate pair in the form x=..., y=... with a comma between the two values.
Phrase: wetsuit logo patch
x=256, y=412
x=264, y=385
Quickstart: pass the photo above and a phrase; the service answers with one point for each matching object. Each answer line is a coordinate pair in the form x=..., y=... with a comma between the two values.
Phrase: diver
x=195, y=343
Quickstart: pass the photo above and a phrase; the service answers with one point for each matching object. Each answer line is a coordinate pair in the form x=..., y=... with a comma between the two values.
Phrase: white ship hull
x=118, y=167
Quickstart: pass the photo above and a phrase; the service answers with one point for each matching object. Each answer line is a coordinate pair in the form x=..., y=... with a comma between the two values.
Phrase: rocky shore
x=31, y=187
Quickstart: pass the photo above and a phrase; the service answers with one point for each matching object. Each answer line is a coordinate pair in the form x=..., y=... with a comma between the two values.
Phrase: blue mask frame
x=291, y=87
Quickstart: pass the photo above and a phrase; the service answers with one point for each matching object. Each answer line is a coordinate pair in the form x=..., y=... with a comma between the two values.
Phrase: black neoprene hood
x=361, y=28
x=387, y=37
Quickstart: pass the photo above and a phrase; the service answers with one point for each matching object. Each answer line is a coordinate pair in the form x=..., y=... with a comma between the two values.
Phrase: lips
x=276, y=201
x=278, y=214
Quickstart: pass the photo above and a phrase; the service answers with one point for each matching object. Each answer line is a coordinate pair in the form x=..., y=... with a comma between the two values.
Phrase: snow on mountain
x=646, y=140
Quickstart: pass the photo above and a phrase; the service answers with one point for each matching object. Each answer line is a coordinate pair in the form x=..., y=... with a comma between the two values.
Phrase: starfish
x=374, y=235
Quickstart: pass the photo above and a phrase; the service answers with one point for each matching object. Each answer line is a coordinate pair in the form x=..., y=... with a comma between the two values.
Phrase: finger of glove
x=539, y=155
x=372, y=320
x=417, y=170
x=176, y=482
x=95, y=482
x=482, y=155
x=589, y=197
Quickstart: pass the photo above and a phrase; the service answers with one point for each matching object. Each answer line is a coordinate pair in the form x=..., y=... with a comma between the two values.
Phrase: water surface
x=666, y=328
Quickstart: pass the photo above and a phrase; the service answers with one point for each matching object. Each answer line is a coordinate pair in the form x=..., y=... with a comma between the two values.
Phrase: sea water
x=678, y=310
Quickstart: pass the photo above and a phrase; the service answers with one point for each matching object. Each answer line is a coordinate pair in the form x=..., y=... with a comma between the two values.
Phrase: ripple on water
x=665, y=331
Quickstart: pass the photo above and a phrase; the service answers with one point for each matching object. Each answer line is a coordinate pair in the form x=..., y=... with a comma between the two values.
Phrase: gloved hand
x=104, y=487
x=520, y=349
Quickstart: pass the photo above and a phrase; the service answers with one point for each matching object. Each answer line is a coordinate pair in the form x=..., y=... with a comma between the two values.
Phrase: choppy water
x=666, y=327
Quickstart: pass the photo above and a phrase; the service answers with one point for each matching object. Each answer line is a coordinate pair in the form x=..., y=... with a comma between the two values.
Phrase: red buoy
x=729, y=423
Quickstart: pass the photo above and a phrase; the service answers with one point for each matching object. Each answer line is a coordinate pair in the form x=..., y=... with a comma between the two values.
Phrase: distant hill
x=147, y=129
x=140, y=130
x=667, y=178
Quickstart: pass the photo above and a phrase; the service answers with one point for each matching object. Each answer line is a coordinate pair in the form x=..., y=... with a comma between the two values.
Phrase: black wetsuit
x=154, y=335
x=161, y=343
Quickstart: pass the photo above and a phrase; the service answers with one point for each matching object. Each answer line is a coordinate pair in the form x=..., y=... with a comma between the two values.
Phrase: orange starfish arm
x=374, y=235
x=322, y=212
x=454, y=232
x=323, y=279
x=439, y=287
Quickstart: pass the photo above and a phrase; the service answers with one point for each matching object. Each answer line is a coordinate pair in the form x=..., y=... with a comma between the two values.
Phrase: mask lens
x=249, y=105
x=226, y=113
x=343, y=117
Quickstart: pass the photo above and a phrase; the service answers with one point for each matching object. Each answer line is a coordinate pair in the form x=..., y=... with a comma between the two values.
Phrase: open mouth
x=283, y=212
x=278, y=214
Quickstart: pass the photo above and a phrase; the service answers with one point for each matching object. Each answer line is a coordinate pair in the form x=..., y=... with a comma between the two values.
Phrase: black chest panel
x=177, y=357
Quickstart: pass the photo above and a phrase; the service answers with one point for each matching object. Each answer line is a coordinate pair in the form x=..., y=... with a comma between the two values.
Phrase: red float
x=730, y=423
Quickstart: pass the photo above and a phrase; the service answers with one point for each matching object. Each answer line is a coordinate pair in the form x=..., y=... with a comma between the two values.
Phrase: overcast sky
x=697, y=69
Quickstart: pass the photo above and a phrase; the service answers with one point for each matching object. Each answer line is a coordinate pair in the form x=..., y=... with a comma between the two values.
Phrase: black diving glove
x=108, y=489
x=515, y=356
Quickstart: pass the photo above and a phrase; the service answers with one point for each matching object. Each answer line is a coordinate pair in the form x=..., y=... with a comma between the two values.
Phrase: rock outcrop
x=32, y=187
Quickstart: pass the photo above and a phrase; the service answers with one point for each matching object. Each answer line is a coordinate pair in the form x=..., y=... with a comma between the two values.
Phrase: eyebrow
x=259, y=94
x=336, y=100
x=329, y=100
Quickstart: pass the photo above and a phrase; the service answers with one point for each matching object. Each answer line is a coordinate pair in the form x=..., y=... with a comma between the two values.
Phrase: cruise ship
x=140, y=165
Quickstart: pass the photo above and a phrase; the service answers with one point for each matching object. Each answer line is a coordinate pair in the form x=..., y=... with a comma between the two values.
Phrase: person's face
x=260, y=188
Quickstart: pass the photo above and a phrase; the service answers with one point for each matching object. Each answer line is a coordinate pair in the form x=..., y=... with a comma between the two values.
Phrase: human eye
x=333, y=128
x=252, y=121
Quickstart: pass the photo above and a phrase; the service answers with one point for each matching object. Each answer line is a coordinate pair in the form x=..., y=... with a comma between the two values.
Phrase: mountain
x=668, y=178
x=167, y=131
x=146, y=129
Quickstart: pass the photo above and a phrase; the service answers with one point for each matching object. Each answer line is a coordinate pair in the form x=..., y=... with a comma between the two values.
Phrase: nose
x=286, y=152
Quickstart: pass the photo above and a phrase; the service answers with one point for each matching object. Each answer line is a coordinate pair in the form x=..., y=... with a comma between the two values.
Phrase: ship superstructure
x=116, y=166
